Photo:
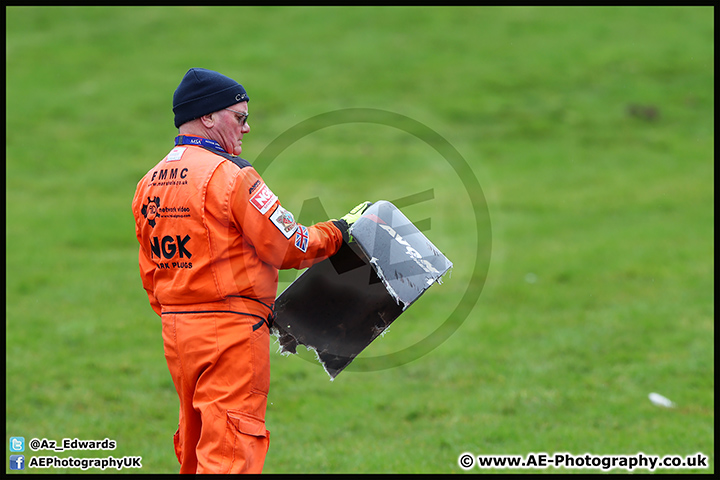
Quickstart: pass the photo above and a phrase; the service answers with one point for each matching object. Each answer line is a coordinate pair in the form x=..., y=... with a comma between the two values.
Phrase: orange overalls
x=212, y=238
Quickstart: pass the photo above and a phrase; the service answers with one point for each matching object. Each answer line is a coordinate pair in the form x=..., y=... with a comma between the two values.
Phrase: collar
x=200, y=142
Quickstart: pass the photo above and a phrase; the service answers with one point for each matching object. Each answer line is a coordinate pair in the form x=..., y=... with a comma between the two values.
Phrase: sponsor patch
x=301, y=238
x=254, y=186
x=175, y=154
x=284, y=221
x=263, y=199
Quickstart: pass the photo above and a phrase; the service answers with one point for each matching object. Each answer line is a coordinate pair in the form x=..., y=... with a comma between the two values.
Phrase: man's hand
x=351, y=217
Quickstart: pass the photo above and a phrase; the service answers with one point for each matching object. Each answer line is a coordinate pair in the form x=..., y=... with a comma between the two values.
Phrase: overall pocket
x=260, y=355
x=245, y=444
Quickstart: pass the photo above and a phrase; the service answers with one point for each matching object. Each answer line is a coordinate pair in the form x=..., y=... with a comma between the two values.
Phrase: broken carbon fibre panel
x=406, y=261
x=339, y=306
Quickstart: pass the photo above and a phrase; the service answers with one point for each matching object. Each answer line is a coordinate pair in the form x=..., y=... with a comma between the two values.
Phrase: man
x=213, y=236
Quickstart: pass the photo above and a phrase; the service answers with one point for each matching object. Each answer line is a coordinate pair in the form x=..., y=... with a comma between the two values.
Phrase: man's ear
x=208, y=120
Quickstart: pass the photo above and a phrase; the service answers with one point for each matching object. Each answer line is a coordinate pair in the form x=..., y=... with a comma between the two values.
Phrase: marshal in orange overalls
x=212, y=239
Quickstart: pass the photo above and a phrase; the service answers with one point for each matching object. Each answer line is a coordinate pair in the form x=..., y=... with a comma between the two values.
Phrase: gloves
x=351, y=217
x=356, y=213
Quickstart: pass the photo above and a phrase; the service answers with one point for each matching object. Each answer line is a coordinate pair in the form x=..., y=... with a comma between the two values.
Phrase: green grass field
x=589, y=130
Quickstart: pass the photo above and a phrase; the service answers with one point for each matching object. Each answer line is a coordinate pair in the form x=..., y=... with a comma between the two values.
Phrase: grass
x=596, y=263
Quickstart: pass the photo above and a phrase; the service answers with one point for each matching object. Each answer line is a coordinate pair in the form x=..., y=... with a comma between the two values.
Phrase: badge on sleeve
x=263, y=199
x=284, y=221
x=301, y=238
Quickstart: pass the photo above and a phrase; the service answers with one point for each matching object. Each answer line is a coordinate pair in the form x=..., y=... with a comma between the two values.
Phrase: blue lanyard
x=199, y=141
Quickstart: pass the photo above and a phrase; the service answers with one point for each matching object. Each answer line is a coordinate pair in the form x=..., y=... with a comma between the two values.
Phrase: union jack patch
x=301, y=238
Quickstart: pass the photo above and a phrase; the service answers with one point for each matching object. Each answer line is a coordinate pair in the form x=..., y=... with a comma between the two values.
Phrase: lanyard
x=199, y=141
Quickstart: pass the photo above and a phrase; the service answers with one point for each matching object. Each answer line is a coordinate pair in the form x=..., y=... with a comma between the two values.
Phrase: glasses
x=242, y=117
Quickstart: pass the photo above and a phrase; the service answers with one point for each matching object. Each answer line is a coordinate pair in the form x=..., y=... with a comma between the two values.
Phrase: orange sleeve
x=272, y=230
x=147, y=266
x=147, y=270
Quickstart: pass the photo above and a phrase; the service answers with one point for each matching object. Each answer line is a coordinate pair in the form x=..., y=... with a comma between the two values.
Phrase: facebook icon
x=17, y=462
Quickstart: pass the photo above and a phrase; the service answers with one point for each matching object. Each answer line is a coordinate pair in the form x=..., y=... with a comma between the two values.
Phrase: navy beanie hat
x=203, y=91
